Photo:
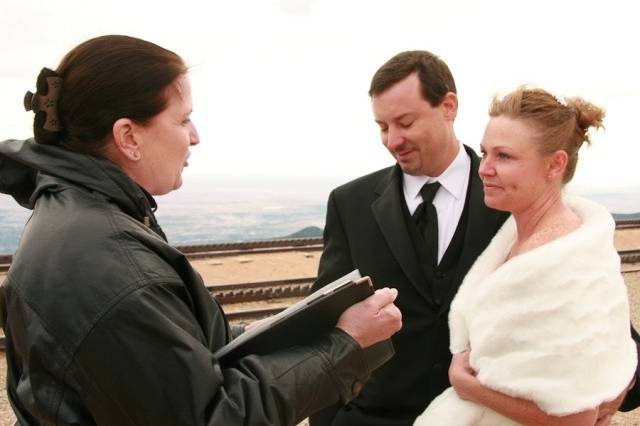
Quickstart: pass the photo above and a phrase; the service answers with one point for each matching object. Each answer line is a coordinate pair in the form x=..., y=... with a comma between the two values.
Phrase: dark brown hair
x=563, y=124
x=435, y=78
x=107, y=78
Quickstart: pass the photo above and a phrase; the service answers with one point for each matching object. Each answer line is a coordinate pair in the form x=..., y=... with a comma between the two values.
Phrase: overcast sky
x=280, y=86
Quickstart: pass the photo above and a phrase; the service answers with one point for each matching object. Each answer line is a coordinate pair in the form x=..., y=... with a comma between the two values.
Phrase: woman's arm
x=467, y=386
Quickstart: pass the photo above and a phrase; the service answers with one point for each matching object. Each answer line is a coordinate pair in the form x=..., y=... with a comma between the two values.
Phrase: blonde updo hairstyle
x=563, y=124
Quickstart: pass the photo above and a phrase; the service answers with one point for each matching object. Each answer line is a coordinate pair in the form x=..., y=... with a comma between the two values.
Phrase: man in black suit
x=371, y=225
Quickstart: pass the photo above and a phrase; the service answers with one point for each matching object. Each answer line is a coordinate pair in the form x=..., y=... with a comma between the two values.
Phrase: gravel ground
x=262, y=267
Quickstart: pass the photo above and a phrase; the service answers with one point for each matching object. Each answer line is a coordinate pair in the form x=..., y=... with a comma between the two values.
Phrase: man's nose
x=394, y=139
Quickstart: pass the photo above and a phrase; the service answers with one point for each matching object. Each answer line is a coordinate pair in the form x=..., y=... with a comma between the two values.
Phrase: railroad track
x=203, y=251
x=629, y=256
x=258, y=291
x=207, y=251
x=626, y=224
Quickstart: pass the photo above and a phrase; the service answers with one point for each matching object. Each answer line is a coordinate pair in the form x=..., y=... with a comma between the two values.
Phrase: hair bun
x=588, y=115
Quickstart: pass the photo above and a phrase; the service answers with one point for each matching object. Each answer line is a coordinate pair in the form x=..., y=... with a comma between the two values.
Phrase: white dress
x=550, y=325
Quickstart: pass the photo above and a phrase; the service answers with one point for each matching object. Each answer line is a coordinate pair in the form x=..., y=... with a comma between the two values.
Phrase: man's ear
x=125, y=139
x=449, y=105
x=557, y=164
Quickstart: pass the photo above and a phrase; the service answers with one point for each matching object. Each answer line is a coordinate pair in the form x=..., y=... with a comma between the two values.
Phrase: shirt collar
x=453, y=179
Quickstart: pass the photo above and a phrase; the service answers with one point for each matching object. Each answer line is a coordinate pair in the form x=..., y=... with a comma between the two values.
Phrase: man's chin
x=410, y=169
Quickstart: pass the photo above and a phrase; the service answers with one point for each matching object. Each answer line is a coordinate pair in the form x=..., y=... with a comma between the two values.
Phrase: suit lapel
x=482, y=224
x=388, y=212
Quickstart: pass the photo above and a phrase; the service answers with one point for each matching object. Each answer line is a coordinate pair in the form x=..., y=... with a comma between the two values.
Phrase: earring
x=135, y=154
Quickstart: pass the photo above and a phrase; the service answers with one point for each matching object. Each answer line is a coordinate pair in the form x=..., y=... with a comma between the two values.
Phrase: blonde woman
x=540, y=326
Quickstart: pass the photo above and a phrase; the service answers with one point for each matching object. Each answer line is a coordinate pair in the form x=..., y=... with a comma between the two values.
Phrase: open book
x=304, y=321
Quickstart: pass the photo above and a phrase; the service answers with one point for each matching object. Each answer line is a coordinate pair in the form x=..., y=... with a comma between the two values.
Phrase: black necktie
x=426, y=219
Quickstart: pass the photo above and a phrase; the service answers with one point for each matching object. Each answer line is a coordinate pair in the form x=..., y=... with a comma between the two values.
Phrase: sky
x=280, y=86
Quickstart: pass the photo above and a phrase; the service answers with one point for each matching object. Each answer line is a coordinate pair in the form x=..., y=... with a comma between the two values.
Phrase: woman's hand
x=461, y=375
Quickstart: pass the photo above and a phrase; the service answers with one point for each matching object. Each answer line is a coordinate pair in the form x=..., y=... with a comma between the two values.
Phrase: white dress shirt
x=449, y=200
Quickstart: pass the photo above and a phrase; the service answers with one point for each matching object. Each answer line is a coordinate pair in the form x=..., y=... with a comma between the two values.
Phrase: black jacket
x=107, y=324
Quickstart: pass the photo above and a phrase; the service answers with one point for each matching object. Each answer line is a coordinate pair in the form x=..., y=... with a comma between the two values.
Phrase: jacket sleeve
x=336, y=257
x=335, y=262
x=146, y=362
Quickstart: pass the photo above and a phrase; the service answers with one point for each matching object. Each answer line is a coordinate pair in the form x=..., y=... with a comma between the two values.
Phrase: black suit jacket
x=366, y=229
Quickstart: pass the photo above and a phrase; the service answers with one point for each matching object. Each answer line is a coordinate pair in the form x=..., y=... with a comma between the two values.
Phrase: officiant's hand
x=462, y=376
x=374, y=319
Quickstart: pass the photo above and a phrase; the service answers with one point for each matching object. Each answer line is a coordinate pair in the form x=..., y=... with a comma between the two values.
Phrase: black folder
x=306, y=320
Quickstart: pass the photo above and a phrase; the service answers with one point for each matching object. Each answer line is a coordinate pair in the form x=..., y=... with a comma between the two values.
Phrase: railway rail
x=262, y=290
x=629, y=256
x=628, y=223
x=206, y=251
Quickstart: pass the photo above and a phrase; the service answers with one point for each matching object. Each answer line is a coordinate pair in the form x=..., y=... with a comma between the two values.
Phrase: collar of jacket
x=28, y=169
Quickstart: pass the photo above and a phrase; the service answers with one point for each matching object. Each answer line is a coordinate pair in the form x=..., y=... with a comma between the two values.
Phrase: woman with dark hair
x=105, y=322
x=540, y=326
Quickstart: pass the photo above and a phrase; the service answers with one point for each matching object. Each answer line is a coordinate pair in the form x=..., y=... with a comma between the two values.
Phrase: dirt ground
x=264, y=267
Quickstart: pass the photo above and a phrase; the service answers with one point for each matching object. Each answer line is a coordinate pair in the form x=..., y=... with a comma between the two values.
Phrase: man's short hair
x=434, y=75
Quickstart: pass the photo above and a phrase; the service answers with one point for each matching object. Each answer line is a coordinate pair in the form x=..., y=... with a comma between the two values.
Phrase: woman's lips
x=490, y=186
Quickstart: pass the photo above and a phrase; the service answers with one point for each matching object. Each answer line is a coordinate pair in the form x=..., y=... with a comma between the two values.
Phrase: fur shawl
x=550, y=325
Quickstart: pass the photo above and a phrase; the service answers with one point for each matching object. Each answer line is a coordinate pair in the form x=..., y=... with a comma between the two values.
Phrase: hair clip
x=47, y=103
x=561, y=100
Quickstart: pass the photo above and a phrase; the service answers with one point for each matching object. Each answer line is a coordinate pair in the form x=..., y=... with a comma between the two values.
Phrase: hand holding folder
x=305, y=320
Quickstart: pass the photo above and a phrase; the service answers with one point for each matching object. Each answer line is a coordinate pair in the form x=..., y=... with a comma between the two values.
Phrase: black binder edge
x=326, y=304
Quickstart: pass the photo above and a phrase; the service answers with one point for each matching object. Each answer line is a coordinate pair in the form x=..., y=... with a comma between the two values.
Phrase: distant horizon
x=220, y=208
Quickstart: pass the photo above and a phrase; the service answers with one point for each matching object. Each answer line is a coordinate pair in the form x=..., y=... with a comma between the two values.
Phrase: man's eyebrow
x=399, y=117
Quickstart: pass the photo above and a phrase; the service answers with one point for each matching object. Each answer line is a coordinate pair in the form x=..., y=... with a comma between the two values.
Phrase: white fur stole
x=550, y=325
